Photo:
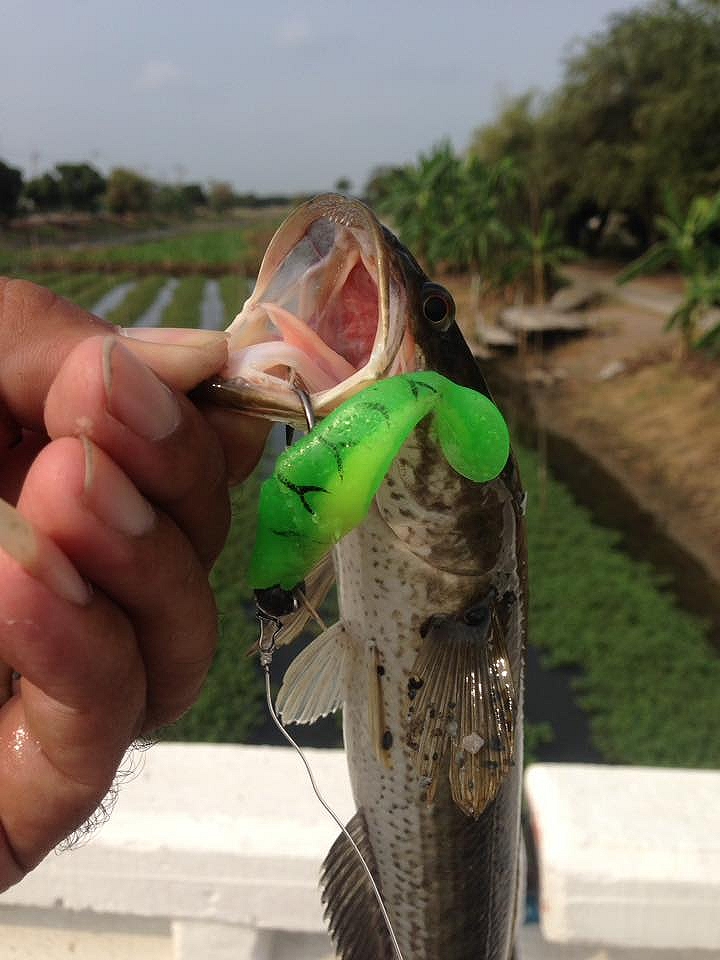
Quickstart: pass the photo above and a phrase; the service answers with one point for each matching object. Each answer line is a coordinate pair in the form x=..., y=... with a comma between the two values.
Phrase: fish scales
x=435, y=865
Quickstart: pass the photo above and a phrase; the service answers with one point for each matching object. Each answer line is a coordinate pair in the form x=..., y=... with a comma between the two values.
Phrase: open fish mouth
x=328, y=315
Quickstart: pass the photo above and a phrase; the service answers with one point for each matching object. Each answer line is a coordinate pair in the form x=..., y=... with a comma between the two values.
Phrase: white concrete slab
x=628, y=856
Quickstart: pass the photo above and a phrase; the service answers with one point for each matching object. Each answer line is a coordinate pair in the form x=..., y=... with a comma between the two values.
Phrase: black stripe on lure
x=323, y=486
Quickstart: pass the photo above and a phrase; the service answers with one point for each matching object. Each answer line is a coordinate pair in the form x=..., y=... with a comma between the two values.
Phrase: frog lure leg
x=323, y=486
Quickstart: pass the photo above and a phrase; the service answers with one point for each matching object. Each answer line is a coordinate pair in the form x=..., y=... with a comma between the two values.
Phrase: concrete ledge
x=206, y=834
x=628, y=856
x=215, y=851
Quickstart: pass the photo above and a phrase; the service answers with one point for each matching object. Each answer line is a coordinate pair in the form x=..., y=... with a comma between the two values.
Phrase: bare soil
x=626, y=397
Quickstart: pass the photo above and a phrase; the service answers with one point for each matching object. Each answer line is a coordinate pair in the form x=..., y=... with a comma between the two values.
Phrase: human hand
x=107, y=620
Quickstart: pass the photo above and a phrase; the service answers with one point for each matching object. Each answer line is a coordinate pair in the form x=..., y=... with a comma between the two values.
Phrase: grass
x=650, y=680
x=184, y=309
x=210, y=252
x=234, y=291
x=87, y=296
x=137, y=301
x=87, y=288
x=232, y=702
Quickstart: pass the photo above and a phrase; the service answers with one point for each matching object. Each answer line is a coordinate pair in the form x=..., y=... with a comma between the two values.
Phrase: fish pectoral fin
x=463, y=707
x=351, y=909
x=313, y=683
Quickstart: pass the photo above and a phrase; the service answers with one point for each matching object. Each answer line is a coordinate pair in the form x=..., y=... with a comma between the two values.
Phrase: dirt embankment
x=622, y=394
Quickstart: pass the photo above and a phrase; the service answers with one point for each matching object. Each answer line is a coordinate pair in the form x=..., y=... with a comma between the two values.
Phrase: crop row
x=88, y=290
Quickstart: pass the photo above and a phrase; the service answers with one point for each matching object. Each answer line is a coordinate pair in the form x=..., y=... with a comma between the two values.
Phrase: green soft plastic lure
x=323, y=485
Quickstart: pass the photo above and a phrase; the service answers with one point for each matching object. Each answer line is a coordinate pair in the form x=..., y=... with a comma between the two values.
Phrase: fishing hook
x=304, y=398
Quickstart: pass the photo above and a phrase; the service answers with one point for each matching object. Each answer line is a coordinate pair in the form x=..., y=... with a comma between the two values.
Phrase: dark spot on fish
x=495, y=743
x=415, y=683
x=451, y=706
x=387, y=740
x=380, y=670
x=435, y=755
x=432, y=713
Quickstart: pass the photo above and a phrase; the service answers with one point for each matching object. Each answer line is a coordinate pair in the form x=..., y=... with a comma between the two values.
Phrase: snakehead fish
x=426, y=659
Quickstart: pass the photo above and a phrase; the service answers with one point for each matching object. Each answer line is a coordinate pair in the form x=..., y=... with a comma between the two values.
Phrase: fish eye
x=438, y=307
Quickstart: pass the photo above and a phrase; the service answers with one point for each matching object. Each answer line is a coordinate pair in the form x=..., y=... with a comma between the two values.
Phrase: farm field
x=137, y=296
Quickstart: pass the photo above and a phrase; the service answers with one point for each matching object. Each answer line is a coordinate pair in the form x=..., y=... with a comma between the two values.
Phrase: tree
x=418, y=199
x=180, y=200
x=379, y=185
x=475, y=235
x=128, y=192
x=44, y=192
x=221, y=196
x=10, y=190
x=539, y=253
x=634, y=114
x=343, y=185
x=690, y=240
x=517, y=136
x=80, y=185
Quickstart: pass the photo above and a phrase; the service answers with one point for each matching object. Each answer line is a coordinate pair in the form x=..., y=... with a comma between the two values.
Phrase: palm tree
x=539, y=254
x=692, y=242
x=474, y=236
x=417, y=199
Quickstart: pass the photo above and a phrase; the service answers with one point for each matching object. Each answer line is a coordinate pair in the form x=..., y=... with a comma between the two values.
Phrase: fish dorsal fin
x=463, y=704
x=351, y=910
x=313, y=683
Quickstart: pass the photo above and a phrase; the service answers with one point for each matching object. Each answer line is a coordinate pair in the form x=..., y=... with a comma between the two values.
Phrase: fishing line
x=269, y=629
x=266, y=659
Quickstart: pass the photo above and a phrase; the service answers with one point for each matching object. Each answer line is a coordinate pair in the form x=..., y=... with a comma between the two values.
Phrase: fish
x=426, y=657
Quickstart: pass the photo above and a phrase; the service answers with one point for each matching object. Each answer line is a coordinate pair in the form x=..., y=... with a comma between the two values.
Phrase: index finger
x=38, y=330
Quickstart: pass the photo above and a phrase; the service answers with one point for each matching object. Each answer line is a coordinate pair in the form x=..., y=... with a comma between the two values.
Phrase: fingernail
x=136, y=396
x=40, y=557
x=114, y=499
x=175, y=336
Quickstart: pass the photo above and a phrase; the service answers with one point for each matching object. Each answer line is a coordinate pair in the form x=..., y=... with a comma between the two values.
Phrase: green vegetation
x=10, y=190
x=184, y=309
x=192, y=251
x=137, y=301
x=234, y=291
x=591, y=607
x=96, y=287
x=690, y=241
x=231, y=703
x=586, y=167
x=650, y=679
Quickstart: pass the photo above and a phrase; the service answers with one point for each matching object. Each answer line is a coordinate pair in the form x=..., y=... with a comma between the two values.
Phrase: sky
x=271, y=96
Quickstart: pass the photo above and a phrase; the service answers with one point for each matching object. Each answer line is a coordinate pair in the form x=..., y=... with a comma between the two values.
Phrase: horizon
x=318, y=94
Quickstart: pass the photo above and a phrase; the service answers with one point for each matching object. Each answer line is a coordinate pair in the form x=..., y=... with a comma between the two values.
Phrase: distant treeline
x=79, y=187
x=636, y=117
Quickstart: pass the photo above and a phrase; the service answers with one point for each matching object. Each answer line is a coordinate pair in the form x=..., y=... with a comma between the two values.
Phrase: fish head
x=338, y=304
